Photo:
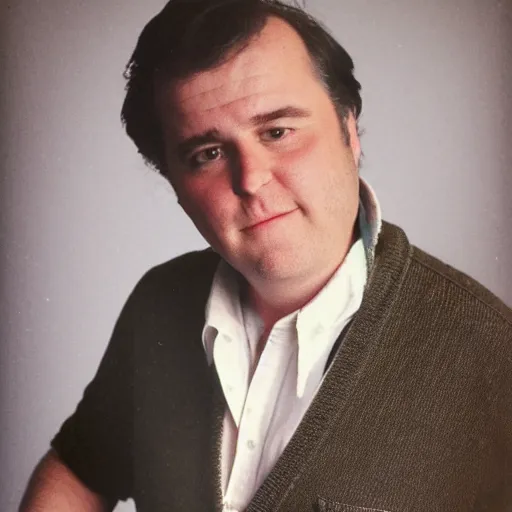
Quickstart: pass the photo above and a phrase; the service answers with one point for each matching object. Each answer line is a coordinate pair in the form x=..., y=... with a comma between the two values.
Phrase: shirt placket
x=257, y=414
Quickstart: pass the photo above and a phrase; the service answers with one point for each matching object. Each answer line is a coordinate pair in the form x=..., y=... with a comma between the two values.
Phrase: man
x=314, y=359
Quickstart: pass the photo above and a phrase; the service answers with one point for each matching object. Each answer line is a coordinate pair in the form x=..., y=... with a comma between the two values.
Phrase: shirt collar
x=370, y=220
x=223, y=309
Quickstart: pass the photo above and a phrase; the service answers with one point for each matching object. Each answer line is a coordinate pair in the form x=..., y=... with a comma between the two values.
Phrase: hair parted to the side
x=189, y=36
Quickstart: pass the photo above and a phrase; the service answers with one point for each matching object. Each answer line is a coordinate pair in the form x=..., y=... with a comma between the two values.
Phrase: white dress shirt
x=263, y=411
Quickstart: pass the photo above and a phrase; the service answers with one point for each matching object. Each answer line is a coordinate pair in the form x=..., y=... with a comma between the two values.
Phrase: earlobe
x=356, y=150
x=355, y=143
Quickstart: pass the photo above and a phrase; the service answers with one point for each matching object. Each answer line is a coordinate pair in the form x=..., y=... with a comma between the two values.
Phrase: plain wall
x=82, y=218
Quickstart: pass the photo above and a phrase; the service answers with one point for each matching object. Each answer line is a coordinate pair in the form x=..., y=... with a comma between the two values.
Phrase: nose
x=252, y=169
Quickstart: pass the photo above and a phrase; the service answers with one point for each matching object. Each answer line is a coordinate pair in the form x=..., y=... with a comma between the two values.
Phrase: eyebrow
x=186, y=146
x=280, y=113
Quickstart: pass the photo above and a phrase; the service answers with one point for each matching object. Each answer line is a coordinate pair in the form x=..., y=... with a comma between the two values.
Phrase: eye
x=205, y=156
x=275, y=134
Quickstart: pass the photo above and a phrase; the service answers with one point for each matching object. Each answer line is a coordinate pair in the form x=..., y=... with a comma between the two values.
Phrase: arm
x=93, y=447
x=53, y=487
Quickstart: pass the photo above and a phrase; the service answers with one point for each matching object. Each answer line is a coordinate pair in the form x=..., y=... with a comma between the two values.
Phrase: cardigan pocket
x=325, y=505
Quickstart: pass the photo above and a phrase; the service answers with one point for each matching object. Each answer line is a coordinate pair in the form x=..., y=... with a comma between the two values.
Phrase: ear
x=355, y=143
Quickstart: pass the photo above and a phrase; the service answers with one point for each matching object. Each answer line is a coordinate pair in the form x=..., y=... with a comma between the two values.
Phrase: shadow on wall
x=505, y=142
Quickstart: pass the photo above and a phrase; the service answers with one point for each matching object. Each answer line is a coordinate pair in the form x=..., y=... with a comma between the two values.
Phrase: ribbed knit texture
x=414, y=414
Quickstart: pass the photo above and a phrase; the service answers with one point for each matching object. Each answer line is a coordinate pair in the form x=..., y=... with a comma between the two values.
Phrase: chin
x=277, y=267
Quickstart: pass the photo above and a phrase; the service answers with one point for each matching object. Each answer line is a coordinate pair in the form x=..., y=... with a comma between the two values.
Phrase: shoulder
x=195, y=261
x=186, y=269
x=443, y=299
x=471, y=324
x=184, y=280
x=454, y=326
x=466, y=294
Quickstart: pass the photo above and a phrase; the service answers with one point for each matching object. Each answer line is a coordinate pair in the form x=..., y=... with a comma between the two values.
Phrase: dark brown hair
x=188, y=36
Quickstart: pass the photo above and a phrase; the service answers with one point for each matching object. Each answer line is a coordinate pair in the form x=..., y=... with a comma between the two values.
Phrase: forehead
x=274, y=62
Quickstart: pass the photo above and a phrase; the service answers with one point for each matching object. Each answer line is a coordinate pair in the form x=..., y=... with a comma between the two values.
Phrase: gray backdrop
x=82, y=218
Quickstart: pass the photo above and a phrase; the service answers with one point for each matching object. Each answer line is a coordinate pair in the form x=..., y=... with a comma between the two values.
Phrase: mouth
x=267, y=221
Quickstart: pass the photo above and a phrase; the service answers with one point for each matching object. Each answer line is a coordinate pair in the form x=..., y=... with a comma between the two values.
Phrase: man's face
x=256, y=155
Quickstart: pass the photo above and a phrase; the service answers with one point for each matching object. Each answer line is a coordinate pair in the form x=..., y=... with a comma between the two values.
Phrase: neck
x=274, y=300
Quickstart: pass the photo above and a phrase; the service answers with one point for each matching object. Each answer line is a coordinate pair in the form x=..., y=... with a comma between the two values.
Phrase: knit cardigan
x=414, y=413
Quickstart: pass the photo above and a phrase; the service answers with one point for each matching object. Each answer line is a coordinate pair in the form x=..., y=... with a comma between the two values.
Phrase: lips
x=262, y=222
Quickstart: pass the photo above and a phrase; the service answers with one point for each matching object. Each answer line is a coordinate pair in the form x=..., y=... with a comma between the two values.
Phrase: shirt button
x=226, y=338
x=251, y=444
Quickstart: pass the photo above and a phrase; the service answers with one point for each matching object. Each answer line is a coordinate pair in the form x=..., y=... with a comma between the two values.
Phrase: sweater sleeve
x=96, y=441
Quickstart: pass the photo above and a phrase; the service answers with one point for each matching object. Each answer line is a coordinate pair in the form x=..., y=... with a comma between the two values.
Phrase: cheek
x=304, y=167
x=296, y=163
x=320, y=175
x=206, y=204
x=306, y=148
